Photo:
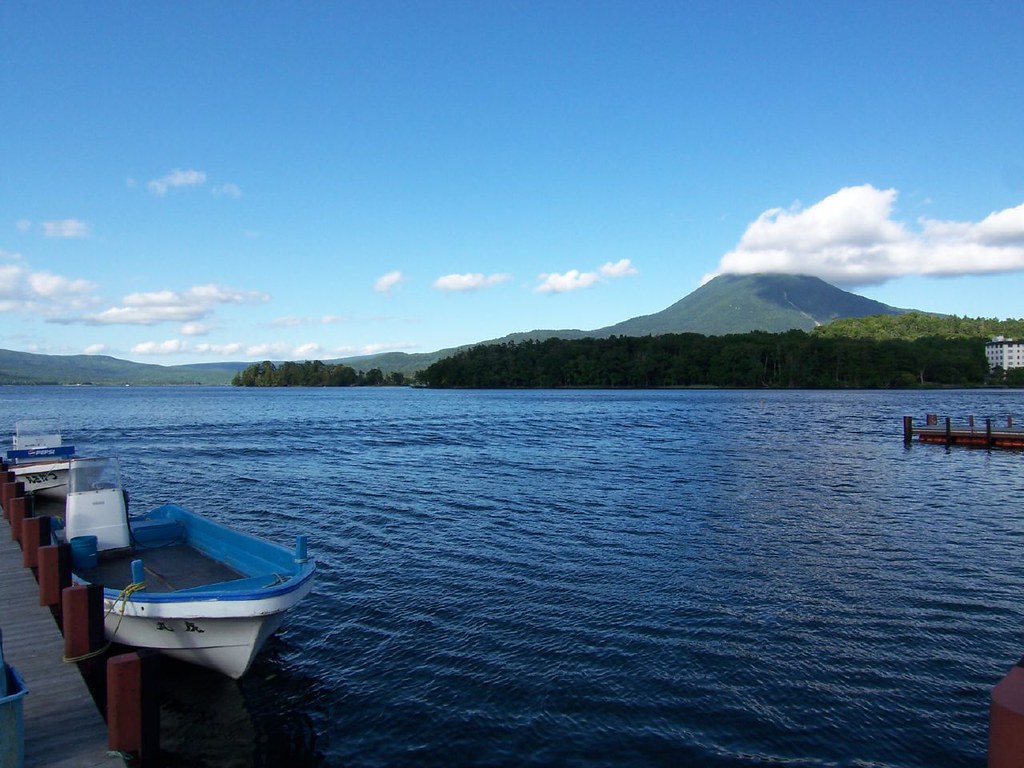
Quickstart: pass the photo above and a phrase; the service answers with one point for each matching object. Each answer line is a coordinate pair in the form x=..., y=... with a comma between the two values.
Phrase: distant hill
x=727, y=304
x=763, y=302
x=28, y=368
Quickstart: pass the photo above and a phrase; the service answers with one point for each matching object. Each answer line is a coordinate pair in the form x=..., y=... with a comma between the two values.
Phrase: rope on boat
x=123, y=598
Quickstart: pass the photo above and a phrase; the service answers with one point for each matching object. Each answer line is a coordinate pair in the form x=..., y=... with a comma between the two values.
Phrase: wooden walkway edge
x=980, y=435
x=63, y=727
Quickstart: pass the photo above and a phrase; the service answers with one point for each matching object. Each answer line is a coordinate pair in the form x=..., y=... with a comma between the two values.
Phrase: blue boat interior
x=182, y=552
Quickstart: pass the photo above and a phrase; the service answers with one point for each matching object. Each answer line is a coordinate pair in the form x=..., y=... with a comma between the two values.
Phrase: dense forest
x=912, y=349
x=919, y=325
x=312, y=374
x=778, y=360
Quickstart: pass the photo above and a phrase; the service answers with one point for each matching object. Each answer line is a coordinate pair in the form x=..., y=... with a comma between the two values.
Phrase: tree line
x=313, y=373
x=919, y=325
x=912, y=349
x=793, y=359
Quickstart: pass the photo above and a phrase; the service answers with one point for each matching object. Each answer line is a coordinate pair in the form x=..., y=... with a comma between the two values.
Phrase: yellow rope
x=123, y=598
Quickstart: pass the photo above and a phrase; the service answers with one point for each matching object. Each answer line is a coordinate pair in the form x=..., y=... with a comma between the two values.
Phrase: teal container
x=83, y=552
x=12, y=720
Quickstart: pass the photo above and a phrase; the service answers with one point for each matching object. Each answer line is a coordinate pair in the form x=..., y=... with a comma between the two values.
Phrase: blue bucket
x=12, y=722
x=83, y=552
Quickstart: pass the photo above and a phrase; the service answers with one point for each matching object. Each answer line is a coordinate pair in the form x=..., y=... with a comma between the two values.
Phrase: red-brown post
x=908, y=429
x=54, y=572
x=35, y=533
x=1006, y=721
x=83, y=619
x=17, y=516
x=133, y=705
x=6, y=492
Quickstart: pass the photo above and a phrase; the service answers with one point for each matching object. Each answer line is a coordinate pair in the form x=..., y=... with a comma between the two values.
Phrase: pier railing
x=970, y=431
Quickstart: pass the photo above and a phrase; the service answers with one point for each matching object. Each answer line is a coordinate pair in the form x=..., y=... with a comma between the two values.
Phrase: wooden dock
x=63, y=727
x=977, y=433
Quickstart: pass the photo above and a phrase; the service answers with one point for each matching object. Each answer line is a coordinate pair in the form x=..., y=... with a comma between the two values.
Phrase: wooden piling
x=1006, y=721
x=949, y=431
x=908, y=430
x=83, y=620
x=6, y=494
x=133, y=705
x=35, y=533
x=54, y=573
x=17, y=516
x=988, y=433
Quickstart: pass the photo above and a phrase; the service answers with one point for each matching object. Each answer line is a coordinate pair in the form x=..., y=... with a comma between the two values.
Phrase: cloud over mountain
x=852, y=238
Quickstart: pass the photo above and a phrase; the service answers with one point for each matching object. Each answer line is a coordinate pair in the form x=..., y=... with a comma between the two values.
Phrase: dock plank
x=63, y=727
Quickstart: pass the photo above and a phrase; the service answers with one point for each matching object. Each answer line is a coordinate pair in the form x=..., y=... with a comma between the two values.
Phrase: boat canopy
x=94, y=474
x=36, y=433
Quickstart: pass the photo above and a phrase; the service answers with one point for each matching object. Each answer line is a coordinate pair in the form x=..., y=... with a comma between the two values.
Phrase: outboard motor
x=95, y=505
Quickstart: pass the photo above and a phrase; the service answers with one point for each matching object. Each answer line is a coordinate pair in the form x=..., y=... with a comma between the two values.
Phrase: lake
x=589, y=578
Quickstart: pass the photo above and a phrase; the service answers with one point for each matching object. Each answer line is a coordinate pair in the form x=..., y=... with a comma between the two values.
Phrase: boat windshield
x=36, y=433
x=93, y=475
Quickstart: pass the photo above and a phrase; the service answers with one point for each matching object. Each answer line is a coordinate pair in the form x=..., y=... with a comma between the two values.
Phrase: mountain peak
x=755, y=302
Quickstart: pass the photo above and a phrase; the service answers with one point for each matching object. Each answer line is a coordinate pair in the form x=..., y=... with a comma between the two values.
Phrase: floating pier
x=977, y=433
x=62, y=725
x=53, y=636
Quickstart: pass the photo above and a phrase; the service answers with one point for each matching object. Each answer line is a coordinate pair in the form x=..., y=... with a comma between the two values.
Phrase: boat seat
x=157, y=533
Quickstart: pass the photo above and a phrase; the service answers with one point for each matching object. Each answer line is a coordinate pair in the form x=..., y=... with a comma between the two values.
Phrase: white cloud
x=620, y=268
x=276, y=349
x=66, y=228
x=291, y=321
x=469, y=281
x=386, y=282
x=176, y=178
x=218, y=349
x=306, y=351
x=195, y=329
x=173, y=306
x=227, y=190
x=169, y=347
x=851, y=238
x=13, y=281
x=55, y=286
x=95, y=349
x=40, y=293
x=573, y=280
x=23, y=225
x=372, y=349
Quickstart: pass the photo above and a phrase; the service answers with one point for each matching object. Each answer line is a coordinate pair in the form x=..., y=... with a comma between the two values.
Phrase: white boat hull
x=51, y=477
x=223, y=635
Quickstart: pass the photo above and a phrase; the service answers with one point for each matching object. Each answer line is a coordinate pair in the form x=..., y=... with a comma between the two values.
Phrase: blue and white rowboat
x=176, y=581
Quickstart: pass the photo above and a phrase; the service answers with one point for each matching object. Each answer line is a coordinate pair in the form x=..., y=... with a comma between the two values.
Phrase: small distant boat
x=176, y=581
x=38, y=457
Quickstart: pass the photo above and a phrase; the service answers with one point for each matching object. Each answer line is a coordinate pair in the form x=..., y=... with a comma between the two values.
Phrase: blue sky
x=198, y=182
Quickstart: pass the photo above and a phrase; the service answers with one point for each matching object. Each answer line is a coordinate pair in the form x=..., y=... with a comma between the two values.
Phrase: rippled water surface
x=589, y=578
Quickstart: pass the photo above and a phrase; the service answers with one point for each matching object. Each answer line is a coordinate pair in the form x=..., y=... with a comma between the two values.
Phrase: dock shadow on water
x=208, y=720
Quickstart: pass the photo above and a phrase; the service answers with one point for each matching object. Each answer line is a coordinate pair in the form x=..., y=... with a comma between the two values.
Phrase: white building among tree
x=1004, y=353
